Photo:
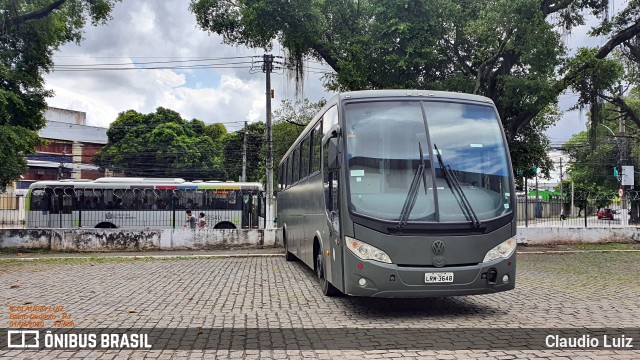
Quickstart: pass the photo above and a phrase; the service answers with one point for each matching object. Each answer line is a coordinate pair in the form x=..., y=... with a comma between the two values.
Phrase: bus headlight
x=503, y=250
x=365, y=251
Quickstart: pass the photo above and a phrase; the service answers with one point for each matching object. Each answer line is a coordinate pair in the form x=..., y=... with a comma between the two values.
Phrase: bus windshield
x=383, y=141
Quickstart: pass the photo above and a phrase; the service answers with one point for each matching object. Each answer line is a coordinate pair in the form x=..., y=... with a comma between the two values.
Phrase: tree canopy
x=591, y=166
x=161, y=144
x=508, y=50
x=32, y=30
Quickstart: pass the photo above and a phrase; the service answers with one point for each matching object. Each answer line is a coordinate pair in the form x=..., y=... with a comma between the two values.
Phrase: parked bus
x=401, y=193
x=120, y=202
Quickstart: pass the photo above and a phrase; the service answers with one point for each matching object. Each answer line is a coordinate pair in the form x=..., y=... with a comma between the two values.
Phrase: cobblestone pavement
x=594, y=290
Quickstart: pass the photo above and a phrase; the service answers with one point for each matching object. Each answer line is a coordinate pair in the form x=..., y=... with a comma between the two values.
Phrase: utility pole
x=572, y=199
x=267, y=68
x=244, y=154
x=561, y=193
x=623, y=158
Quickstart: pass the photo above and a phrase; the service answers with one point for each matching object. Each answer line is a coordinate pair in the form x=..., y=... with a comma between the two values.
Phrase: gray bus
x=401, y=193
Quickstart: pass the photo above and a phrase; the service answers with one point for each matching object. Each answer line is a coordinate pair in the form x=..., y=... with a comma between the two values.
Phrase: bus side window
x=329, y=119
x=295, y=167
x=315, y=147
x=304, y=157
x=288, y=170
x=40, y=200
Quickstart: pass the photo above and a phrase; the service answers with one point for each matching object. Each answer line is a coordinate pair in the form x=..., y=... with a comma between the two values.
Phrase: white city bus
x=143, y=203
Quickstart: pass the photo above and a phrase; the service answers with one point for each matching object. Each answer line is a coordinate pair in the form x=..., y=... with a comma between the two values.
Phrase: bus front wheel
x=325, y=286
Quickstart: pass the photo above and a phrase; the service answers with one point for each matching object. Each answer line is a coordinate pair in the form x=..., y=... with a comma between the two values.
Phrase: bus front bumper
x=376, y=279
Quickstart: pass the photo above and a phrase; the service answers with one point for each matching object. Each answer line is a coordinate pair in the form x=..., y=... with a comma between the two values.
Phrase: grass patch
x=12, y=251
x=581, y=246
x=606, y=246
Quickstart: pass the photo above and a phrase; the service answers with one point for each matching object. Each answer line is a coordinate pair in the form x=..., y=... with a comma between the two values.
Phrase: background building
x=69, y=149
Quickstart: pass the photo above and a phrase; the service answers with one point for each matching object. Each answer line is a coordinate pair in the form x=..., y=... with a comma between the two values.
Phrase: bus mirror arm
x=333, y=155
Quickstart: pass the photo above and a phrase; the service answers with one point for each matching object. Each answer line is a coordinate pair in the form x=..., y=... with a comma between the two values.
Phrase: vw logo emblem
x=437, y=247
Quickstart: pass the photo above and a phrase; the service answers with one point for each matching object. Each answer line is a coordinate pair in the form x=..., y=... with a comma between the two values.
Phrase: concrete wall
x=567, y=235
x=184, y=239
x=136, y=240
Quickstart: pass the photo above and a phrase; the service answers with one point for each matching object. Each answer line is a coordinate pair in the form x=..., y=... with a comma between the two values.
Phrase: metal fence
x=153, y=209
x=12, y=214
x=167, y=210
x=581, y=210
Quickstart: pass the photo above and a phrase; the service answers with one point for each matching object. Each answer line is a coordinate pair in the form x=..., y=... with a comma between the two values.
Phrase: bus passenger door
x=247, y=211
x=333, y=242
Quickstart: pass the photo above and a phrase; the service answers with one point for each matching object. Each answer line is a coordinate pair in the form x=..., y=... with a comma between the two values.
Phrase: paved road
x=594, y=290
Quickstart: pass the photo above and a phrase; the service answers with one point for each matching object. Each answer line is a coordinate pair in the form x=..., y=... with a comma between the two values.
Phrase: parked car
x=605, y=214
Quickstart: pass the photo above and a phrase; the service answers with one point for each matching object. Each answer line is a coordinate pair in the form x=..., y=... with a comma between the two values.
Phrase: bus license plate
x=438, y=277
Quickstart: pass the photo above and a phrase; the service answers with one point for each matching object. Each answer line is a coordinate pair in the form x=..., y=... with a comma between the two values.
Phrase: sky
x=144, y=31
x=164, y=31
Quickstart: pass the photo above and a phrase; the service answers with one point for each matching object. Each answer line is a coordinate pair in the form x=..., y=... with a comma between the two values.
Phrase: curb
x=574, y=251
x=141, y=257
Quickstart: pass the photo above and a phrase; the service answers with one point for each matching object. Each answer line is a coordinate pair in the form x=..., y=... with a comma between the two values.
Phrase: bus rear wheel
x=106, y=225
x=225, y=225
x=325, y=286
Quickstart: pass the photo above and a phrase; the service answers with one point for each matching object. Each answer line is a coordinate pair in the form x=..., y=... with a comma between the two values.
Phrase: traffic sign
x=621, y=192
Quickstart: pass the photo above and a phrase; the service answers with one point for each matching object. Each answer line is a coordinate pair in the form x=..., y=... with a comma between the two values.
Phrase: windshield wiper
x=453, y=182
x=412, y=195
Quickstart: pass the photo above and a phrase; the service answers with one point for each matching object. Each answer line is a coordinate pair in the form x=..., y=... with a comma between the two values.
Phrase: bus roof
x=411, y=93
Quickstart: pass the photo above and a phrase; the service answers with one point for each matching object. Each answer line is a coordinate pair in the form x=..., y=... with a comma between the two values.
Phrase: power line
x=159, y=62
x=194, y=67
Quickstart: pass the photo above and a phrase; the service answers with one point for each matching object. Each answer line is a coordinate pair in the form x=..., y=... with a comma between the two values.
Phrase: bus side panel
x=315, y=220
x=286, y=217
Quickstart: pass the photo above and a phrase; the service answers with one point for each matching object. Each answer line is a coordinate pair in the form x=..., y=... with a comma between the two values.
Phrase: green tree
x=160, y=144
x=32, y=30
x=215, y=131
x=232, y=144
x=438, y=44
x=591, y=166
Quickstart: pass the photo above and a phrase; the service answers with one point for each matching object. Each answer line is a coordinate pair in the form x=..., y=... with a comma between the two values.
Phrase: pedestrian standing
x=190, y=221
x=201, y=222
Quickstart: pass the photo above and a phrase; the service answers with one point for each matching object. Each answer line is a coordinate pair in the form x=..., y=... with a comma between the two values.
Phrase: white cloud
x=161, y=31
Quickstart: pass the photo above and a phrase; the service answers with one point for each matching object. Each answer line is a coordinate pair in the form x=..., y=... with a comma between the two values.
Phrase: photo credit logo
x=36, y=339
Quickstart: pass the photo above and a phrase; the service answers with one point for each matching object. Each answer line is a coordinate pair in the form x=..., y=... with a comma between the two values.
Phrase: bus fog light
x=362, y=282
x=505, y=279
x=503, y=250
x=365, y=251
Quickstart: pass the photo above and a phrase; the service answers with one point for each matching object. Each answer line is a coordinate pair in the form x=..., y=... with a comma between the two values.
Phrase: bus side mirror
x=333, y=156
